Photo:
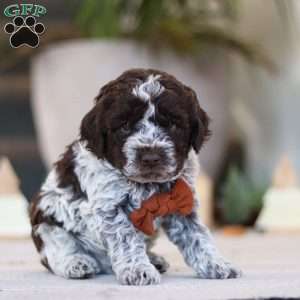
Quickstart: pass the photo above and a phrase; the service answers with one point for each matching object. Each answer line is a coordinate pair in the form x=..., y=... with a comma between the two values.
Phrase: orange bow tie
x=179, y=200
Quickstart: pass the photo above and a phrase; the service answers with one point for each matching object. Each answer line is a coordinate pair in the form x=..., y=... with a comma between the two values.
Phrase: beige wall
x=266, y=106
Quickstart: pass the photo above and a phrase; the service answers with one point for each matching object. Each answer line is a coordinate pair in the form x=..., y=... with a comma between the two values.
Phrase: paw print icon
x=24, y=31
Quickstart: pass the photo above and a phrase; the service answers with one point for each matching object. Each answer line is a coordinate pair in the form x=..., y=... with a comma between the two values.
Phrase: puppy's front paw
x=218, y=268
x=142, y=274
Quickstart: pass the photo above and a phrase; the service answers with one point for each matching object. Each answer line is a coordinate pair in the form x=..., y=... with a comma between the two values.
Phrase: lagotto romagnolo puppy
x=142, y=135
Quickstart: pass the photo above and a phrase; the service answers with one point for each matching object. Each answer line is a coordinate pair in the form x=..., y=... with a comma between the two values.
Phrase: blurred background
x=242, y=58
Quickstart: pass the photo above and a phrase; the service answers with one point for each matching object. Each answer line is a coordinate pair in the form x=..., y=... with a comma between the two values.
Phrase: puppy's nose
x=150, y=159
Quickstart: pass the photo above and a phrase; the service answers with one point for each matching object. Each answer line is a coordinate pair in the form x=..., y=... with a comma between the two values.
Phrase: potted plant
x=241, y=201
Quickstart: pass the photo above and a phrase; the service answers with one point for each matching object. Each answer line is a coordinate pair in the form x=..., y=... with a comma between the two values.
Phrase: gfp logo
x=24, y=30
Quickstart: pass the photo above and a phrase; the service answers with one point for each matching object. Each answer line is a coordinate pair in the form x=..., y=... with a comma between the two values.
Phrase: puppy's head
x=145, y=123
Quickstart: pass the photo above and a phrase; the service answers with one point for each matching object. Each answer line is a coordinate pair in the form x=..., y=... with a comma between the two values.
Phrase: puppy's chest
x=136, y=195
x=128, y=197
x=132, y=199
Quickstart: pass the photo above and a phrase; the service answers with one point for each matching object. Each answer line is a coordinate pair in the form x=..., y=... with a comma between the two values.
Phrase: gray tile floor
x=271, y=265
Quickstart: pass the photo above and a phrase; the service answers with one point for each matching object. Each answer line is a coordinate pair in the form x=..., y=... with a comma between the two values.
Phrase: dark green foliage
x=183, y=25
x=242, y=199
x=100, y=18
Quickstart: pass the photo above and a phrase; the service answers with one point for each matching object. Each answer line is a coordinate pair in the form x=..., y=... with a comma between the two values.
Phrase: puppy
x=140, y=138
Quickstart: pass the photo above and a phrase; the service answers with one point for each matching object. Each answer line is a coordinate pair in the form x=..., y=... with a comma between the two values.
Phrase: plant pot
x=67, y=76
x=234, y=230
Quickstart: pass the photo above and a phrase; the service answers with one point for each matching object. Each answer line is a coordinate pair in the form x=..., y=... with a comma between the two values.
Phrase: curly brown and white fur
x=140, y=136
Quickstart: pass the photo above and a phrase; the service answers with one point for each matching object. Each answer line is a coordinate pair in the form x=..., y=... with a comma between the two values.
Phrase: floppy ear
x=92, y=130
x=200, y=125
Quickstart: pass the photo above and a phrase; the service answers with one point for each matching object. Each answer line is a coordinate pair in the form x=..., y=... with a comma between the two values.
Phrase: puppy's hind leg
x=62, y=253
x=156, y=260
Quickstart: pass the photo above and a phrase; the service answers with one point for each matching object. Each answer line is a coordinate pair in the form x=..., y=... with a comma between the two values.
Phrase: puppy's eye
x=125, y=128
x=173, y=127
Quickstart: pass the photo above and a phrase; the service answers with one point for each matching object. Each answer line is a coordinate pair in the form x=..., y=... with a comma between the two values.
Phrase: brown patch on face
x=179, y=104
x=119, y=124
x=179, y=113
x=199, y=122
x=106, y=127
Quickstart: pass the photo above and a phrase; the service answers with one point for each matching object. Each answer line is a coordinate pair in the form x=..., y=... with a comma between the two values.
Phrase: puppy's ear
x=199, y=124
x=92, y=131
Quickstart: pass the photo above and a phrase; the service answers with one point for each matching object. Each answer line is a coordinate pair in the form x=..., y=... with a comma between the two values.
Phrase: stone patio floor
x=270, y=263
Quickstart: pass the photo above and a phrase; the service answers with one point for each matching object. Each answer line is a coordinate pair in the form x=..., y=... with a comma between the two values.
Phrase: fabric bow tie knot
x=179, y=200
